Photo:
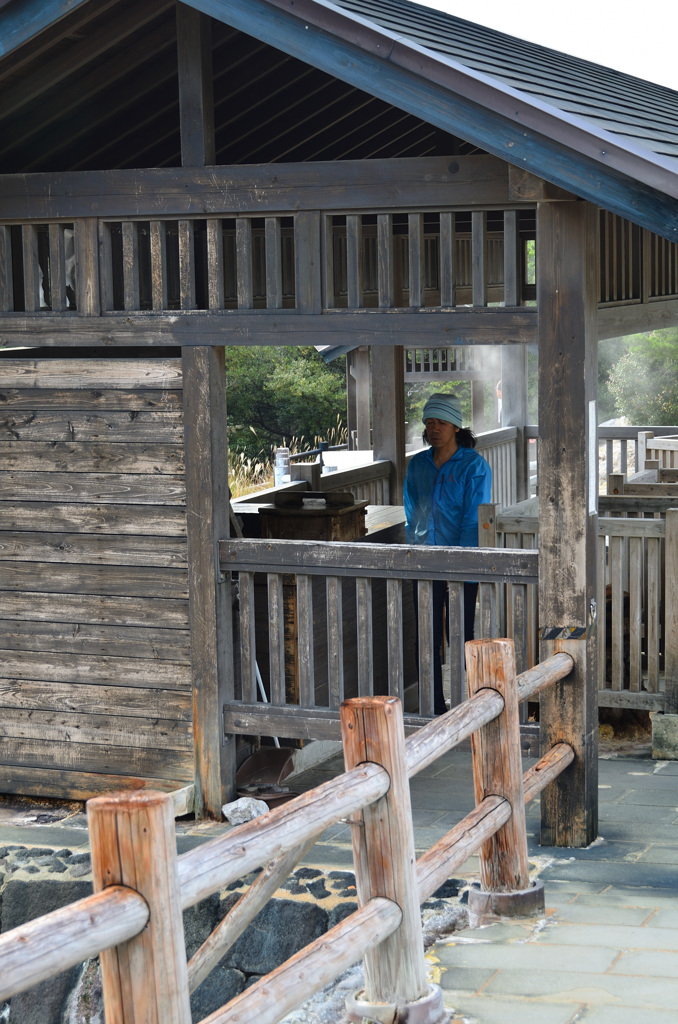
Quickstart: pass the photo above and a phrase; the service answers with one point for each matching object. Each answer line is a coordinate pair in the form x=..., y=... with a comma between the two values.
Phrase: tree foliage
x=275, y=393
x=644, y=382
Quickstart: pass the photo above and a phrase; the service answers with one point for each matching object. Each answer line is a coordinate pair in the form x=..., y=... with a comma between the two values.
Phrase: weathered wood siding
x=95, y=684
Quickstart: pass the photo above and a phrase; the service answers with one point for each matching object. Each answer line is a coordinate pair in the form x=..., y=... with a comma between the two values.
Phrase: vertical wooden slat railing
x=415, y=258
x=362, y=625
x=6, y=275
x=187, y=272
x=385, y=260
x=31, y=268
x=363, y=590
x=425, y=645
x=57, y=268
x=273, y=263
x=635, y=597
x=142, y=885
x=276, y=650
x=243, y=236
x=248, y=664
x=130, y=264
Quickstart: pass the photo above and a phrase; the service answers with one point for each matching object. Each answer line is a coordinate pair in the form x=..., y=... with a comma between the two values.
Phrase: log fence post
x=396, y=986
x=145, y=980
x=497, y=771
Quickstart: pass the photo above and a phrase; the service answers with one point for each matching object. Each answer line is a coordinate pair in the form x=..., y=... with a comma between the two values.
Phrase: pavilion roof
x=319, y=80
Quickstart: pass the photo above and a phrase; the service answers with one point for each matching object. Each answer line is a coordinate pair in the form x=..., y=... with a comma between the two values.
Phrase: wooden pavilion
x=177, y=177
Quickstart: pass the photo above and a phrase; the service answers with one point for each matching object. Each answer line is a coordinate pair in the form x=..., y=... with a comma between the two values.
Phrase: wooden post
x=497, y=765
x=196, y=98
x=641, y=452
x=388, y=414
x=671, y=613
x=567, y=281
x=206, y=449
x=383, y=851
x=132, y=837
x=358, y=398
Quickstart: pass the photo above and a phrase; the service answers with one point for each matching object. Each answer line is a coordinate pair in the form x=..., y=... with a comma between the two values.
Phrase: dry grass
x=246, y=475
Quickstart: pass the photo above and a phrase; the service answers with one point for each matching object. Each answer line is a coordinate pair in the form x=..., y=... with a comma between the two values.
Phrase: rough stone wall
x=35, y=881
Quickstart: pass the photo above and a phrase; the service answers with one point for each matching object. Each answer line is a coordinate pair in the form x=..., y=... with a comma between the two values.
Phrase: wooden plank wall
x=95, y=684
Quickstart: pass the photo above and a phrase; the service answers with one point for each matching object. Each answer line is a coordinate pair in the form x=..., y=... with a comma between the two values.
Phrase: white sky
x=638, y=38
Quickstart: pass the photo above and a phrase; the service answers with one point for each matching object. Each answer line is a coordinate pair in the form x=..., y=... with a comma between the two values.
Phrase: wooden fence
x=637, y=596
x=141, y=887
x=323, y=621
x=657, y=452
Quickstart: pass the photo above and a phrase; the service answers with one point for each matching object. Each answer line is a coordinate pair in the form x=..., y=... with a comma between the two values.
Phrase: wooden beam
x=636, y=318
x=567, y=274
x=209, y=590
x=24, y=20
x=459, y=183
x=414, y=328
x=528, y=188
x=196, y=96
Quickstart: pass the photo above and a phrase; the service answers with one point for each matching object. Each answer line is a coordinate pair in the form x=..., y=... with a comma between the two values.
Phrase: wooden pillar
x=388, y=414
x=514, y=407
x=206, y=453
x=671, y=616
x=567, y=273
x=358, y=398
x=196, y=94
x=133, y=844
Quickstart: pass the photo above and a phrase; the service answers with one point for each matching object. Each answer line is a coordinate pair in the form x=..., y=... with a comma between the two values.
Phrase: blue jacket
x=441, y=505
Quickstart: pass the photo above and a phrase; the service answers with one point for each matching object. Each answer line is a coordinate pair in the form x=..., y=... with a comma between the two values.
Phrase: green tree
x=277, y=393
x=610, y=351
x=644, y=382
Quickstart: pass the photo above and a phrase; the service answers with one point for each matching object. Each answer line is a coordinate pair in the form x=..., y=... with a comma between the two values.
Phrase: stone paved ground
x=607, y=950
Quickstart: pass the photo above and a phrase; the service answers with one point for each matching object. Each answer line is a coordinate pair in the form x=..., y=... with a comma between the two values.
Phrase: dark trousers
x=441, y=620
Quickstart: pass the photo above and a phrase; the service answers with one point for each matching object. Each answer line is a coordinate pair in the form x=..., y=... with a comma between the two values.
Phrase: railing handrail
x=224, y=859
x=500, y=435
x=379, y=560
x=630, y=433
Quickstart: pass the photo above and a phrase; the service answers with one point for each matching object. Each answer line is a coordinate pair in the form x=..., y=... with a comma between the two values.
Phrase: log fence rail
x=134, y=917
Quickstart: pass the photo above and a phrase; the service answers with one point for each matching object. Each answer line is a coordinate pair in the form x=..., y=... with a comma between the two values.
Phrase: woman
x=444, y=486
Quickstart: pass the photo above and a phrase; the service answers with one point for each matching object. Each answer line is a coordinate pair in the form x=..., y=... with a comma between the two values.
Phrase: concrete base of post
x=427, y=1010
x=664, y=737
x=491, y=906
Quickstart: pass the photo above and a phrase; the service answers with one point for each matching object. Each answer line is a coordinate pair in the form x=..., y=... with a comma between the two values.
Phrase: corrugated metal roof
x=616, y=102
